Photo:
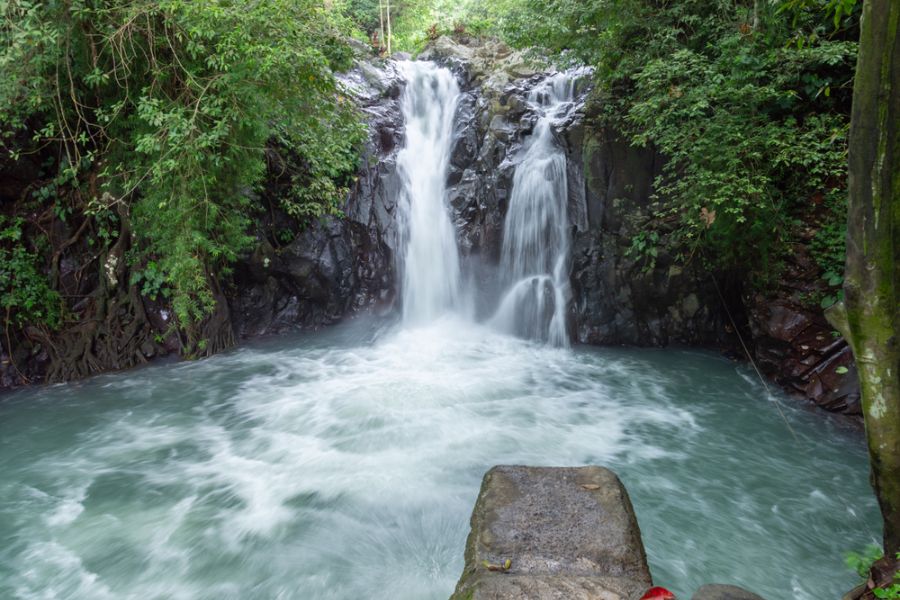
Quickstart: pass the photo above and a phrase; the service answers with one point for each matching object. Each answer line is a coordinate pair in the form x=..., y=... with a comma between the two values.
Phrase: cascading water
x=536, y=240
x=431, y=279
x=535, y=251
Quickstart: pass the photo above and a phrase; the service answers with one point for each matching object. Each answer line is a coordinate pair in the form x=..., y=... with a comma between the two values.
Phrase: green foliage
x=364, y=13
x=644, y=247
x=838, y=9
x=151, y=279
x=168, y=105
x=892, y=592
x=862, y=563
x=107, y=223
x=410, y=20
x=25, y=293
x=728, y=151
x=751, y=124
x=828, y=247
x=415, y=22
x=320, y=187
x=316, y=199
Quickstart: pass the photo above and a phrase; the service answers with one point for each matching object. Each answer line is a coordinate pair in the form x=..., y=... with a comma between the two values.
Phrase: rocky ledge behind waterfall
x=340, y=267
x=609, y=185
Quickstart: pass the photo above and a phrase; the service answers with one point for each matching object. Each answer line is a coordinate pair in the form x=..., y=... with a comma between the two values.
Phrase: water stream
x=535, y=249
x=431, y=278
x=344, y=464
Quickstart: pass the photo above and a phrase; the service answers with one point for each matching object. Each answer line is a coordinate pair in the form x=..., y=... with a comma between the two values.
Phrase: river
x=345, y=465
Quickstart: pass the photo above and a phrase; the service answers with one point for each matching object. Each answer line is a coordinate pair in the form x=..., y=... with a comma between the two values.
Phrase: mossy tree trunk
x=871, y=316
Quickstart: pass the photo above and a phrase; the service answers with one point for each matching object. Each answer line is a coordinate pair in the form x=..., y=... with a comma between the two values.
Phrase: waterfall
x=535, y=251
x=431, y=278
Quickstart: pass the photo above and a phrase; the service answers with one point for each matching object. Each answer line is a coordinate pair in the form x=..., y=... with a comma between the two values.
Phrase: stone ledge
x=569, y=533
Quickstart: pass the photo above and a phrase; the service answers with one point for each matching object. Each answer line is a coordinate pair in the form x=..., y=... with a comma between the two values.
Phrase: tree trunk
x=380, y=24
x=871, y=311
x=388, y=15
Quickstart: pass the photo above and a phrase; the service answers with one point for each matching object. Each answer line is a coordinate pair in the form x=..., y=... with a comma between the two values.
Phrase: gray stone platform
x=569, y=534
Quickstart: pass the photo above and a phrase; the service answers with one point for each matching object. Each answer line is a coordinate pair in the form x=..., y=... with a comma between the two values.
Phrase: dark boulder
x=334, y=267
x=620, y=296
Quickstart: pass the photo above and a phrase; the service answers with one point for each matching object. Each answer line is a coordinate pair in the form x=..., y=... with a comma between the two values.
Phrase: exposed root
x=116, y=335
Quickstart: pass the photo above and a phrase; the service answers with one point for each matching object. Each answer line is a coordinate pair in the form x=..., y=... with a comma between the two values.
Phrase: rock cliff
x=620, y=297
x=327, y=270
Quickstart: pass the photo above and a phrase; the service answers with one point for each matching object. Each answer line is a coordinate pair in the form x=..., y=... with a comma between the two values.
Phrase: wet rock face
x=615, y=299
x=622, y=297
x=478, y=189
x=479, y=183
x=493, y=121
x=338, y=266
x=566, y=532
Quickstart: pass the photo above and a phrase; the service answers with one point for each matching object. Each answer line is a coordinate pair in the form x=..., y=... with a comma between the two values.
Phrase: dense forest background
x=138, y=136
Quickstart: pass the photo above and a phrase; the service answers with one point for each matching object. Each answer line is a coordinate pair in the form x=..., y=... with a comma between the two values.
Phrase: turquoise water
x=344, y=465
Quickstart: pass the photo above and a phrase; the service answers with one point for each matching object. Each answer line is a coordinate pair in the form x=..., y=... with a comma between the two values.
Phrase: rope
x=750, y=358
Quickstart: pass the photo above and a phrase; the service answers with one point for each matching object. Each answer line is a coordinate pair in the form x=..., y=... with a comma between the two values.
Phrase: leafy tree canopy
x=748, y=100
x=158, y=112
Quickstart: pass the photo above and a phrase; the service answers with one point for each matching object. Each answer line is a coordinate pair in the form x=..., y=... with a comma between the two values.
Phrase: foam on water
x=340, y=467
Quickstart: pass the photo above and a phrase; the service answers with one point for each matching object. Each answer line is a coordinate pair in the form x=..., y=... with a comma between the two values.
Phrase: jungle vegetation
x=141, y=132
x=146, y=124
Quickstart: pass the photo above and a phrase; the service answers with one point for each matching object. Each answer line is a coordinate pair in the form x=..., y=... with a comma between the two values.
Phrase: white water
x=535, y=250
x=337, y=467
x=431, y=278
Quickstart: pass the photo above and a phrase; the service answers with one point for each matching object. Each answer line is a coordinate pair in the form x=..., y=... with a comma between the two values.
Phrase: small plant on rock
x=862, y=564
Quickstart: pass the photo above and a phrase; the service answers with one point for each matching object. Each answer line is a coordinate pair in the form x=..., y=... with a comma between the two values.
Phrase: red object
x=658, y=593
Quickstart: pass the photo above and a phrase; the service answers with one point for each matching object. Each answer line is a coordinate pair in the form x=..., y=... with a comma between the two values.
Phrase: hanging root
x=215, y=334
x=116, y=335
x=113, y=331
